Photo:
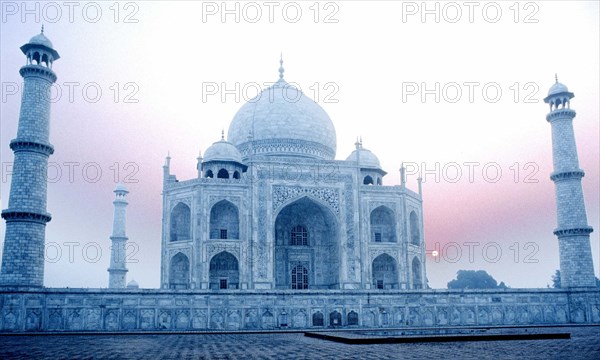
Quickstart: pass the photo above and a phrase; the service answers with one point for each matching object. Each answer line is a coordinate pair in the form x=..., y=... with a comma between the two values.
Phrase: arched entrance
x=306, y=247
x=224, y=271
x=385, y=272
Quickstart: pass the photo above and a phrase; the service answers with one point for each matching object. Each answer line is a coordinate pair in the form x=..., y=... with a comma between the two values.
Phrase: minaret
x=26, y=216
x=117, y=270
x=573, y=232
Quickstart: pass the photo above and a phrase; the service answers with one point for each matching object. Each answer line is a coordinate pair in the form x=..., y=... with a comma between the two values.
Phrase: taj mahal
x=272, y=209
x=275, y=233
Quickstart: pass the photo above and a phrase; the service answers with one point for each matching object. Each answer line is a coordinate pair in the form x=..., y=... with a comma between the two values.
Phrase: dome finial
x=42, y=28
x=281, y=70
x=222, y=134
x=556, y=77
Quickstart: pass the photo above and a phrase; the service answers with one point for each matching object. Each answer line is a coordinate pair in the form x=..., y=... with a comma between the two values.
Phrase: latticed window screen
x=299, y=236
x=299, y=278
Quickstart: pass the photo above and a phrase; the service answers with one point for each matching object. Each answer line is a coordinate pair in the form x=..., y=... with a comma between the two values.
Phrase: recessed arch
x=317, y=319
x=224, y=271
x=385, y=272
x=179, y=272
x=379, y=181
x=383, y=224
x=352, y=318
x=209, y=174
x=416, y=274
x=368, y=180
x=236, y=175
x=223, y=174
x=415, y=233
x=224, y=221
x=180, y=223
x=320, y=255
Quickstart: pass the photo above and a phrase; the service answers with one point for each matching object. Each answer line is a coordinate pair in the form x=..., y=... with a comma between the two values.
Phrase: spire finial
x=42, y=28
x=357, y=143
x=281, y=70
x=223, y=134
x=556, y=77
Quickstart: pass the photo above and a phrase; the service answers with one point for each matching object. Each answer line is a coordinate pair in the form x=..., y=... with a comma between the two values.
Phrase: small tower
x=26, y=216
x=117, y=270
x=573, y=232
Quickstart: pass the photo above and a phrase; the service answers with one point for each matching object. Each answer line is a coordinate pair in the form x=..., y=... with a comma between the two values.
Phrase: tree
x=474, y=279
x=556, y=280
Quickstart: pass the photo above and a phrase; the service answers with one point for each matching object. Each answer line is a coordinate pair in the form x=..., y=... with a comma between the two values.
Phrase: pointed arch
x=224, y=271
x=385, y=272
x=179, y=272
x=180, y=223
x=352, y=318
x=223, y=174
x=383, y=224
x=236, y=175
x=368, y=180
x=209, y=174
x=224, y=221
x=415, y=233
x=416, y=274
x=318, y=236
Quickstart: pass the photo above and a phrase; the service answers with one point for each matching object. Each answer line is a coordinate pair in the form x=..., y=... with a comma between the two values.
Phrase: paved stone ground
x=584, y=344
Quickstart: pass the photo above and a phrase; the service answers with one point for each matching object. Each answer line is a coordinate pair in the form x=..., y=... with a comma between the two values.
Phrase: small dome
x=41, y=39
x=133, y=285
x=121, y=188
x=557, y=88
x=366, y=158
x=222, y=151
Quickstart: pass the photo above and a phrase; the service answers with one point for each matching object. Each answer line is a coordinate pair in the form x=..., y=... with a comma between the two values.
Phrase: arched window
x=224, y=271
x=416, y=274
x=224, y=221
x=317, y=319
x=383, y=225
x=379, y=181
x=180, y=222
x=352, y=318
x=299, y=236
x=299, y=278
x=368, y=180
x=209, y=174
x=236, y=175
x=45, y=59
x=415, y=236
x=223, y=174
x=179, y=272
x=36, y=58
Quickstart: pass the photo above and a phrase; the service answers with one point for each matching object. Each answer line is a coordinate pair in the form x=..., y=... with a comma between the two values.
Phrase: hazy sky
x=138, y=80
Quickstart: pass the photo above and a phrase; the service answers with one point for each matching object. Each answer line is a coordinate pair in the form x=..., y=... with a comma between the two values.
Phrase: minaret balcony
x=561, y=114
x=566, y=175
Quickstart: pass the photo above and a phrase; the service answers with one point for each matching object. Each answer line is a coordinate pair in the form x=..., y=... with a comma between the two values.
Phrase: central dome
x=282, y=121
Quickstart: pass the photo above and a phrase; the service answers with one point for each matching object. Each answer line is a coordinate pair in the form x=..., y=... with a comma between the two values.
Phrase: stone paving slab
x=584, y=344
